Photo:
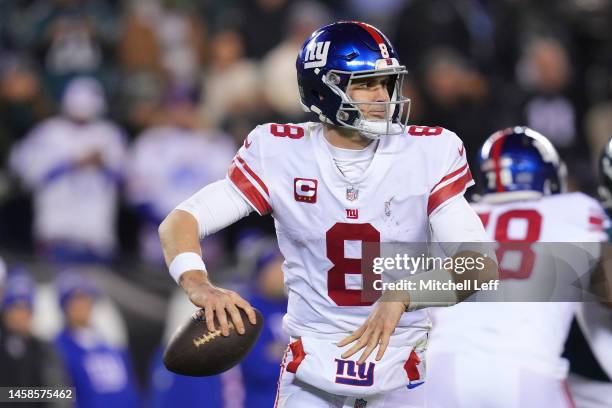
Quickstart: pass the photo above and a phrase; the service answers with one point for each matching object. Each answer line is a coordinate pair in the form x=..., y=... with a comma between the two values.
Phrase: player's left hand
x=376, y=330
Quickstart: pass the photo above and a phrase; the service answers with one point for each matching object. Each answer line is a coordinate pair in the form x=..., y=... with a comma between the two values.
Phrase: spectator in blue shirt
x=25, y=360
x=102, y=374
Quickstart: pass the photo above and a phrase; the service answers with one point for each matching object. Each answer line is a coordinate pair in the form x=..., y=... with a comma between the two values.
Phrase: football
x=195, y=351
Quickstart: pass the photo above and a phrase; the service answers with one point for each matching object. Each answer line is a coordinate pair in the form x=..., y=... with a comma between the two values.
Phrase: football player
x=357, y=174
x=591, y=374
x=508, y=354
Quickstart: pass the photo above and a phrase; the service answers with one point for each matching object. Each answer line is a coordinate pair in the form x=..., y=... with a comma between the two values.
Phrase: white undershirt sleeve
x=457, y=222
x=457, y=227
x=215, y=207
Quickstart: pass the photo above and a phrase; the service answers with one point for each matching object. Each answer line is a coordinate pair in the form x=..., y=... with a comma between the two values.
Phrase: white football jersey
x=321, y=218
x=523, y=332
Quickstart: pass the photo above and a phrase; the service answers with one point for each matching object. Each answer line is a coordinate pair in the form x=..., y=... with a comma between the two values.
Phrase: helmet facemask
x=349, y=115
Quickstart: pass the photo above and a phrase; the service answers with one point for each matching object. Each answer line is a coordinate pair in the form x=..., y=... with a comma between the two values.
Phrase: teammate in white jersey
x=508, y=354
x=361, y=175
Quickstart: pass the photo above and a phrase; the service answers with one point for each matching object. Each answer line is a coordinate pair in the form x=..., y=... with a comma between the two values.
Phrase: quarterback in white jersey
x=508, y=353
x=360, y=176
x=322, y=216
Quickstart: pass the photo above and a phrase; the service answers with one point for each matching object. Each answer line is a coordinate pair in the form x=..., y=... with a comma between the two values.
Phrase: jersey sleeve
x=246, y=173
x=451, y=172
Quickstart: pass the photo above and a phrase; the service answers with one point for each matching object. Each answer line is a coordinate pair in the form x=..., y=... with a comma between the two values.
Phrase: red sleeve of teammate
x=455, y=176
x=247, y=176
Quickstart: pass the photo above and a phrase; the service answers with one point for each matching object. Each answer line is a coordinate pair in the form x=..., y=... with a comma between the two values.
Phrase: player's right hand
x=215, y=300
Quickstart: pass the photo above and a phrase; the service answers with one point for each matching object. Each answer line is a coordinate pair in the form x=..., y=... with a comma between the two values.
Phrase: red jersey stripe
x=484, y=218
x=280, y=377
x=568, y=395
x=410, y=366
x=448, y=191
x=250, y=192
x=596, y=220
x=253, y=174
x=450, y=176
x=298, y=354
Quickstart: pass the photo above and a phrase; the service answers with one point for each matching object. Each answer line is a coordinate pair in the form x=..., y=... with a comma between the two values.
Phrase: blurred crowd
x=69, y=332
x=112, y=113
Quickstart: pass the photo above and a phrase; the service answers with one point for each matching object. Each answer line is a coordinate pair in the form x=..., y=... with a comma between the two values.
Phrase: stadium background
x=212, y=71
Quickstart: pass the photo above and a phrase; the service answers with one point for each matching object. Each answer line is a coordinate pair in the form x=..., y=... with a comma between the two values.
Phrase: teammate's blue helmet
x=339, y=53
x=520, y=160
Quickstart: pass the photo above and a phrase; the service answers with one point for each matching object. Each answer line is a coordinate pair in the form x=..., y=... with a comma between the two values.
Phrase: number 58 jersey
x=547, y=244
x=322, y=218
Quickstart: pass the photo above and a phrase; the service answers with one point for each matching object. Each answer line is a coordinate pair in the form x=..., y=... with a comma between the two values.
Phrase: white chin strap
x=373, y=129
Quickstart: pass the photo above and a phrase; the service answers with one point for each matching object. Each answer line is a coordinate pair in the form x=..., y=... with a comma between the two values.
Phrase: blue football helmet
x=522, y=163
x=339, y=53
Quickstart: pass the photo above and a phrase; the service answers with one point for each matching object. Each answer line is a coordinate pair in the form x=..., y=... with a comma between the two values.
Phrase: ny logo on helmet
x=316, y=54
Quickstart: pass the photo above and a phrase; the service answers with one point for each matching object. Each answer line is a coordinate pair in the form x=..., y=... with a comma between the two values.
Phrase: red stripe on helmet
x=495, y=155
x=372, y=31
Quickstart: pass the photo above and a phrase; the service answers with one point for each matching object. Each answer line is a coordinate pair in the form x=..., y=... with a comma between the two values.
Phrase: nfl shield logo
x=352, y=193
x=360, y=403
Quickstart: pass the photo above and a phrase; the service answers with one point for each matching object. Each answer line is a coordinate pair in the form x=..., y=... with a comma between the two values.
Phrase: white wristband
x=186, y=261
